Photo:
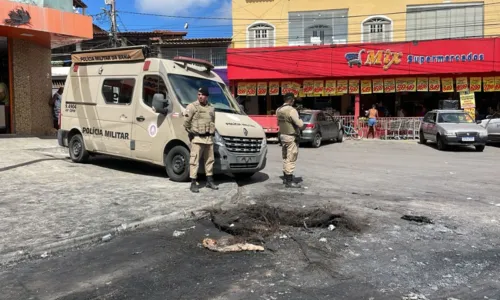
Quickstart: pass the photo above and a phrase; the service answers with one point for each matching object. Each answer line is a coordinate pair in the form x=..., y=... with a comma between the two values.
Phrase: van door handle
x=140, y=118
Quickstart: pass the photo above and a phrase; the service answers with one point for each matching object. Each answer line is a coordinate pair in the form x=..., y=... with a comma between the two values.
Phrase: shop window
x=377, y=29
x=444, y=21
x=317, y=27
x=151, y=85
x=261, y=35
x=118, y=91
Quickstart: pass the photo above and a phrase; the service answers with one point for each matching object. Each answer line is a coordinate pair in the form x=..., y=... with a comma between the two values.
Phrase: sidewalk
x=49, y=203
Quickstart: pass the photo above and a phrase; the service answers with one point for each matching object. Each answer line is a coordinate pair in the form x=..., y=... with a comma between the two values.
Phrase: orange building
x=27, y=35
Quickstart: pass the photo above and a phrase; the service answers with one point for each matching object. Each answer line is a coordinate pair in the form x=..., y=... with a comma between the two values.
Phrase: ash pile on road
x=256, y=223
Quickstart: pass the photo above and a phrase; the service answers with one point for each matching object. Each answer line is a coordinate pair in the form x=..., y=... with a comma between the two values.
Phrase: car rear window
x=305, y=117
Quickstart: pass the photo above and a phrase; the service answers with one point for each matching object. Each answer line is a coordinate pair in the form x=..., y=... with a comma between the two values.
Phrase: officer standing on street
x=200, y=124
x=290, y=126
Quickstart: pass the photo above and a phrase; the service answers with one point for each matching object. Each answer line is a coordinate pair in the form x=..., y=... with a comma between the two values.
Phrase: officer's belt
x=203, y=134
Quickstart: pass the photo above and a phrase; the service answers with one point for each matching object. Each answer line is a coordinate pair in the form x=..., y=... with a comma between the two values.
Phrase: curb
x=71, y=243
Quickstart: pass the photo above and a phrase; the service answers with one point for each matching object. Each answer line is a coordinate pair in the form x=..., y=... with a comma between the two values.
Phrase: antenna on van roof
x=195, y=61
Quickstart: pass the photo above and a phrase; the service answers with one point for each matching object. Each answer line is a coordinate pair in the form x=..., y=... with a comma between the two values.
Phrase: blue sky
x=180, y=8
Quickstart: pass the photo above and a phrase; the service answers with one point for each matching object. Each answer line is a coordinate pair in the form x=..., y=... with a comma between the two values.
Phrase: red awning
x=459, y=56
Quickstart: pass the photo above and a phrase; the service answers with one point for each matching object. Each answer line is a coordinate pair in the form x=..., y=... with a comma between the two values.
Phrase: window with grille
x=261, y=35
x=444, y=21
x=317, y=27
x=377, y=30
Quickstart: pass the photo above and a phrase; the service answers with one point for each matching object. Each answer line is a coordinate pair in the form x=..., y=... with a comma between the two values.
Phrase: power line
x=286, y=19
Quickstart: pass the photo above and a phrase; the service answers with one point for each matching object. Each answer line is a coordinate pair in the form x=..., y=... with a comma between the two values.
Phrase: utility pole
x=114, y=37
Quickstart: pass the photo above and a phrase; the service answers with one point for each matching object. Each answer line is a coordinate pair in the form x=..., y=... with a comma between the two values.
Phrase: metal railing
x=394, y=128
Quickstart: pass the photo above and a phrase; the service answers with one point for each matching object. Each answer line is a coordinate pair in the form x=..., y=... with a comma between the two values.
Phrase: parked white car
x=452, y=128
x=492, y=125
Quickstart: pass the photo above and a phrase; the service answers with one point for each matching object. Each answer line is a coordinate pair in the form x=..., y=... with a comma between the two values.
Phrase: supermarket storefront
x=402, y=79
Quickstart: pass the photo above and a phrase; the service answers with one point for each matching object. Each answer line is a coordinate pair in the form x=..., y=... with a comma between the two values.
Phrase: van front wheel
x=77, y=150
x=177, y=164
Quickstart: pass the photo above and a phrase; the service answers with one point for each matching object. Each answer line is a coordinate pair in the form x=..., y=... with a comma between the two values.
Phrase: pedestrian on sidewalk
x=372, y=120
x=199, y=122
x=55, y=104
x=290, y=126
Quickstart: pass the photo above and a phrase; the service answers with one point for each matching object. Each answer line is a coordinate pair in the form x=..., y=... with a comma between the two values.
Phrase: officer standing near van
x=200, y=124
x=290, y=126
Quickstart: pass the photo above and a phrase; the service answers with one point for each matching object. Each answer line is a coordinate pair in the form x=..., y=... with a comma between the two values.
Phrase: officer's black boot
x=284, y=178
x=211, y=184
x=194, y=186
x=290, y=183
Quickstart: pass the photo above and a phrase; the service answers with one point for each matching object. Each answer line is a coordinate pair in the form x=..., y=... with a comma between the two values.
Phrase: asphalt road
x=374, y=183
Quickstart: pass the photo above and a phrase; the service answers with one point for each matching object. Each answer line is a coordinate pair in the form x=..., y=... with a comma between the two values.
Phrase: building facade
x=324, y=22
x=27, y=35
x=402, y=56
x=213, y=50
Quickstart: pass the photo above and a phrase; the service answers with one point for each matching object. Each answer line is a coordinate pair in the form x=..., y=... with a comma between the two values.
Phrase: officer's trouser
x=290, y=152
x=199, y=151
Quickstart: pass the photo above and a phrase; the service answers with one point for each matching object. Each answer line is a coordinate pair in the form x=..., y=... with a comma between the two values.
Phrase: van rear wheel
x=77, y=150
x=177, y=164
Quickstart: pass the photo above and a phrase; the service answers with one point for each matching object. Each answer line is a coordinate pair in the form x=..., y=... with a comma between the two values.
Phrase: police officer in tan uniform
x=200, y=123
x=290, y=126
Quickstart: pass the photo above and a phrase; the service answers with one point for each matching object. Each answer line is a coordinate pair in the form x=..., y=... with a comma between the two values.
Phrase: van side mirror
x=160, y=104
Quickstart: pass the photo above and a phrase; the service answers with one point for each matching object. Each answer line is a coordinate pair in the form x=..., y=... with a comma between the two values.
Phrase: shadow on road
x=24, y=164
x=256, y=178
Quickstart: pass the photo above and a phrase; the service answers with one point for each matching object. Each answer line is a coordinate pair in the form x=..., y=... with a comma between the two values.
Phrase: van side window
x=151, y=85
x=118, y=91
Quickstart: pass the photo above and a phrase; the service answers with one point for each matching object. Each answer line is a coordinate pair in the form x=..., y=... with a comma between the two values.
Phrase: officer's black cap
x=203, y=91
x=289, y=96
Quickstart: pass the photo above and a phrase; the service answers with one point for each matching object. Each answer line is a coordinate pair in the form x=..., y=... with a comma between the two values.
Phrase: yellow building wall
x=275, y=12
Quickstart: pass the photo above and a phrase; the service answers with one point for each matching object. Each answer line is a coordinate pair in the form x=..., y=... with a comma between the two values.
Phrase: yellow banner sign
x=318, y=87
x=471, y=111
x=366, y=86
x=497, y=83
x=447, y=84
x=401, y=85
x=308, y=86
x=354, y=86
x=285, y=87
x=411, y=84
x=389, y=85
x=434, y=84
x=461, y=84
x=475, y=84
x=262, y=88
x=378, y=86
x=251, y=88
x=242, y=88
x=467, y=100
x=489, y=84
x=274, y=88
x=422, y=84
x=330, y=87
x=342, y=87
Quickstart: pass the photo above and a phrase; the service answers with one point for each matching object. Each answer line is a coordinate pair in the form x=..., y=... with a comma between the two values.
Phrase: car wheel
x=423, y=141
x=177, y=164
x=440, y=144
x=243, y=176
x=77, y=150
x=480, y=148
x=340, y=137
x=316, y=143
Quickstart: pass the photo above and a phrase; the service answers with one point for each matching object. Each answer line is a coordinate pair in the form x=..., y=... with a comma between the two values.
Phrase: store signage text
x=445, y=58
x=385, y=58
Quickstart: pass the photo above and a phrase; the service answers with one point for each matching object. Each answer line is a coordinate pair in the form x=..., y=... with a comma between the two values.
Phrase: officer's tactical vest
x=203, y=118
x=285, y=121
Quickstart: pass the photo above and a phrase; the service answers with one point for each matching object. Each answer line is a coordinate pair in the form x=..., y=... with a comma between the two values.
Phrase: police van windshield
x=186, y=90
